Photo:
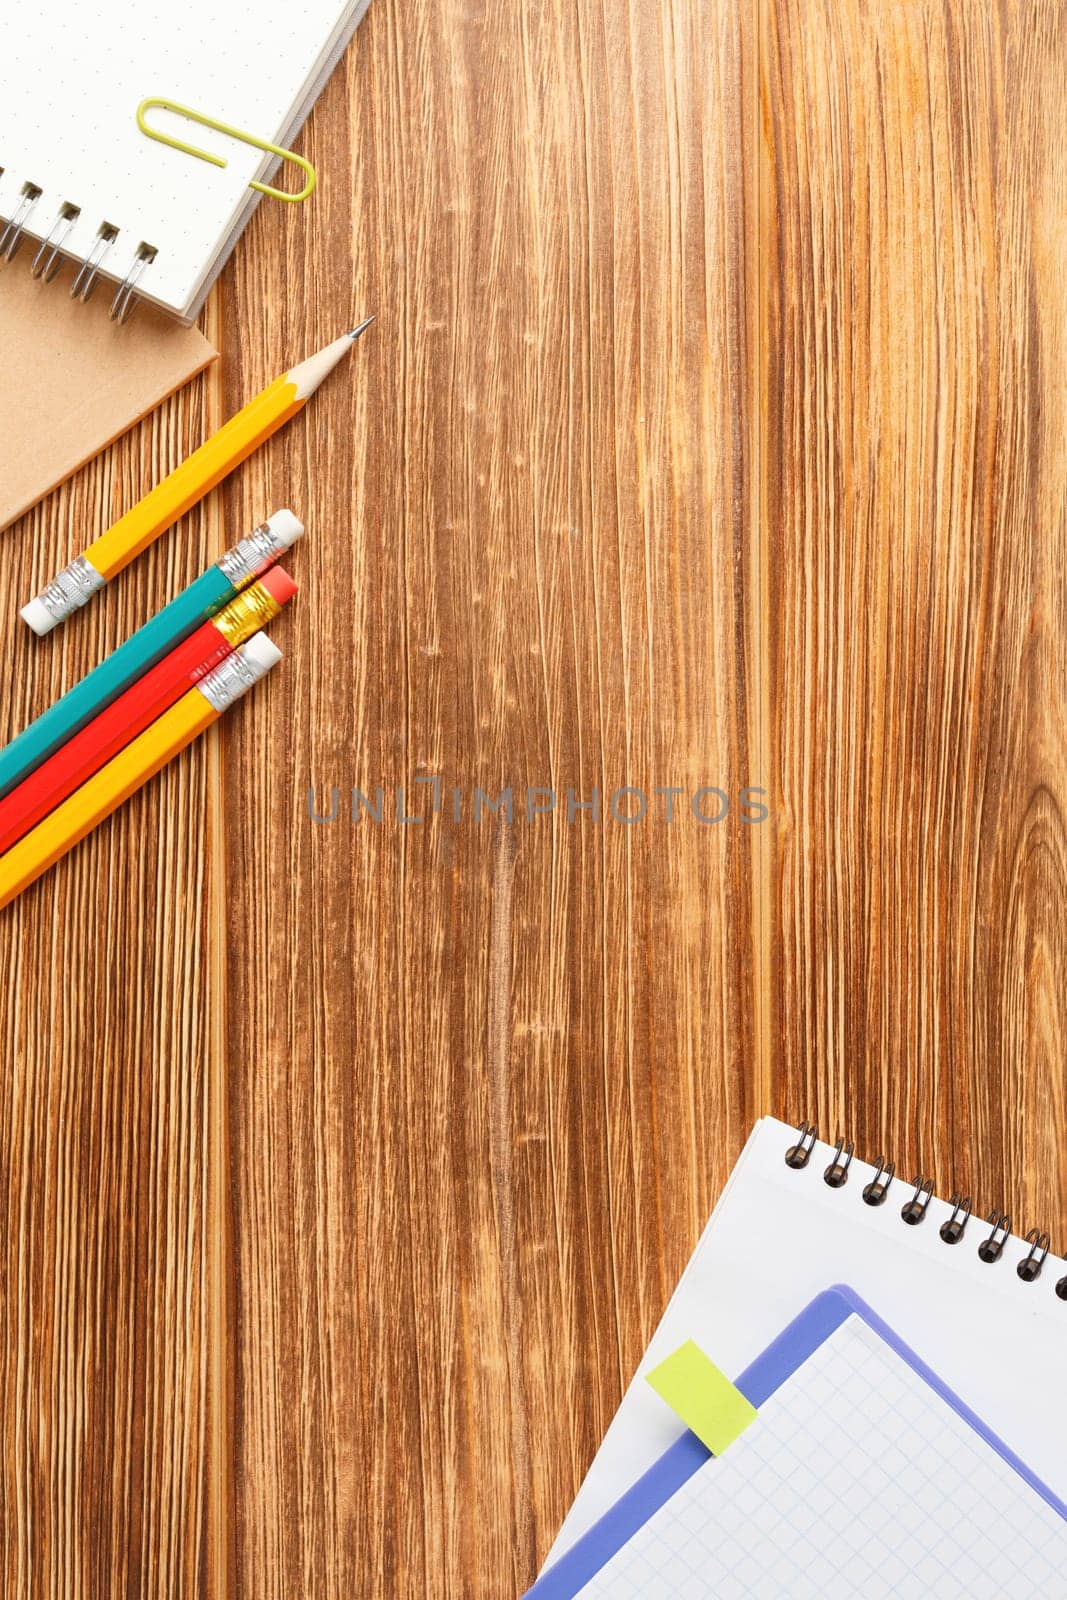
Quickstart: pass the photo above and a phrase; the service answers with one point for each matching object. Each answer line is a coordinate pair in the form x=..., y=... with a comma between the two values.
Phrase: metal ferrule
x=71, y=588
x=251, y=557
x=245, y=616
x=227, y=682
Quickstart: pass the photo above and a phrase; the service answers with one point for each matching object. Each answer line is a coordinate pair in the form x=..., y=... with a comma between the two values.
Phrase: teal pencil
x=205, y=596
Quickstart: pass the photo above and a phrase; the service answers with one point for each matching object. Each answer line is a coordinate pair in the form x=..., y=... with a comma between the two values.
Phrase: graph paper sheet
x=856, y=1478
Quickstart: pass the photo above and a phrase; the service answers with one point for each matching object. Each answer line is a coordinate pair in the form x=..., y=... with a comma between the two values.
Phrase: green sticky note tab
x=702, y=1396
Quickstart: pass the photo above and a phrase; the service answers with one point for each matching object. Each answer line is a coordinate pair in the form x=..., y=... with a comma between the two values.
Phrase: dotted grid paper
x=74, y=76
x=856, y=1478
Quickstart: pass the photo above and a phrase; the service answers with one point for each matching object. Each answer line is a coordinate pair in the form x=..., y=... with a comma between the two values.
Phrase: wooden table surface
x=711, y=434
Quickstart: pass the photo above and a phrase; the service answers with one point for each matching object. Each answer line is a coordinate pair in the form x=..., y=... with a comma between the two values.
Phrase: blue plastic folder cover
x=862, y=1474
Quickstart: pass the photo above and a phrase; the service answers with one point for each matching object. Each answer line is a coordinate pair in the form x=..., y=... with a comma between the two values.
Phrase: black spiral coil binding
x=51, y=254
x=915, y=1210
x=1030, y=1266
x=836, y=1174
x=952, y=1231
x=874, y=1193
x=799, y=1154
x=990, y=1248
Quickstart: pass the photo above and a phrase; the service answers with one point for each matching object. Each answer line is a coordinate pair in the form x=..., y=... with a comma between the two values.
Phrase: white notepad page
x=777, y=1238
x=74, y=76
x=856, y=1478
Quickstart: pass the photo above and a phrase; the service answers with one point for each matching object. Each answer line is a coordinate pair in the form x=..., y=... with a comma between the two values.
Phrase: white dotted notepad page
x=856, y=1478
x=74, y=76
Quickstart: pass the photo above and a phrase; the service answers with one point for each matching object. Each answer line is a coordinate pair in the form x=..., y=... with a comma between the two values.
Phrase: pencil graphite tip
x=309, y=374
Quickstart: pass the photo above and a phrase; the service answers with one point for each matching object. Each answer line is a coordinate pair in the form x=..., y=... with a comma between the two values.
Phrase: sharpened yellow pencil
x=127, y=772
x=171, y=499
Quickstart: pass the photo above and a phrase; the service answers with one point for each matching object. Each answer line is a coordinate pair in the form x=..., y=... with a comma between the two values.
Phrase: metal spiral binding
x=952, y=1230
x=836, y=1174
x=125, y=297
x=1030, y=1266
x=11, y=237
x=914, y=1211
x=991, y=1247
x=48, y=260
x=799, y=1154
x=50, y=255
x=874, y=1193
x=85, y=277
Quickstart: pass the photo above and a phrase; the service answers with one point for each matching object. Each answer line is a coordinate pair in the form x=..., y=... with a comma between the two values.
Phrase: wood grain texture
x=104, y=1360
x=711, y=433
x=480, y=1074
x=913, y=188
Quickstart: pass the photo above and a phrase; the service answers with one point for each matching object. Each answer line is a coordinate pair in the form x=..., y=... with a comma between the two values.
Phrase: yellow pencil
x=187, y=484
x=127, y=772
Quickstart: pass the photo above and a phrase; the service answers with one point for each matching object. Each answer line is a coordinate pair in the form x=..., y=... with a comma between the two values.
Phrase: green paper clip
x=233, y=133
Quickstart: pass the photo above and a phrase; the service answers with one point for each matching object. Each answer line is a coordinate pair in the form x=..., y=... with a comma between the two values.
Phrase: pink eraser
x=278, y=584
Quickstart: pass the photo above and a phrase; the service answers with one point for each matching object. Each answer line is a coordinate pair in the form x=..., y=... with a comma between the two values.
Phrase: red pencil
x=141, y=704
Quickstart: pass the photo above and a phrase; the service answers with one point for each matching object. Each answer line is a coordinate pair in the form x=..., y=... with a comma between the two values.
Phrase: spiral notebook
x=859, y=1472
x=985, y=1312
x=78, y=173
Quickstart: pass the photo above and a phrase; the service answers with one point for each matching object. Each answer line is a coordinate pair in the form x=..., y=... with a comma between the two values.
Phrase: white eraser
x=37, y=616
x=260, y=653
x=285, y=528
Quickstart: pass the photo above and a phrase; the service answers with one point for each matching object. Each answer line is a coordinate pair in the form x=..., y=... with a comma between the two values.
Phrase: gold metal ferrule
x=253, y=608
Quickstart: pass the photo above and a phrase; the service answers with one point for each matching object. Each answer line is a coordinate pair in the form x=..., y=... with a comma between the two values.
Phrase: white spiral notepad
x=77, y=170
x=783, y=1233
